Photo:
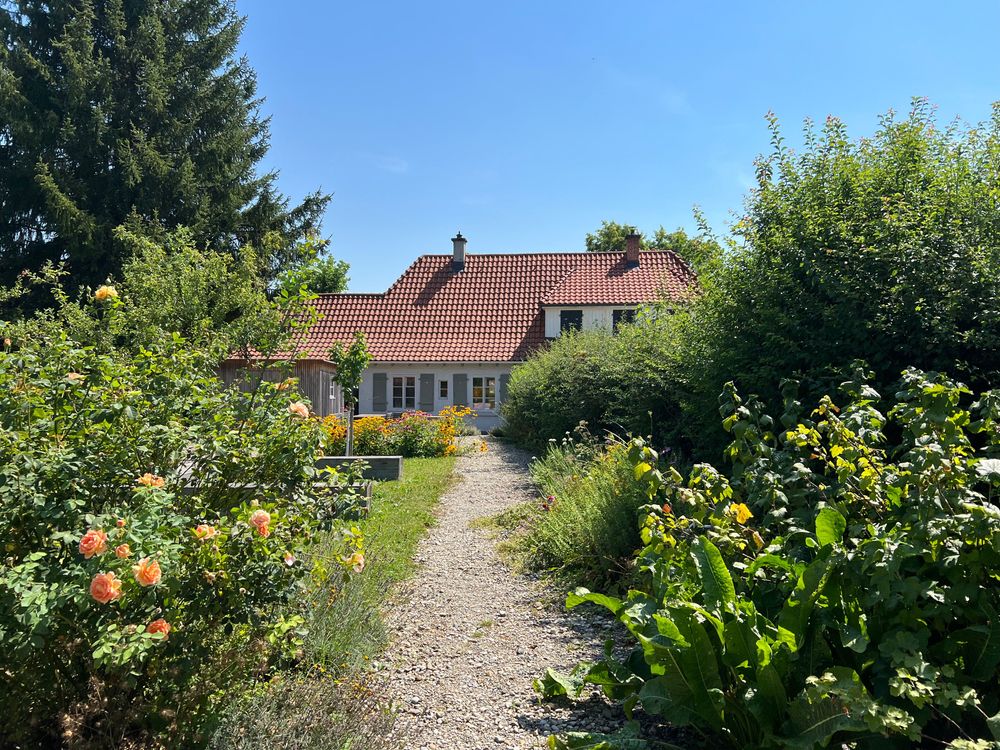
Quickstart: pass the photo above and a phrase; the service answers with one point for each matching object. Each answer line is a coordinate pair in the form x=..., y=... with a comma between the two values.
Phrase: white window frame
x=487, y=392
x=407, y=392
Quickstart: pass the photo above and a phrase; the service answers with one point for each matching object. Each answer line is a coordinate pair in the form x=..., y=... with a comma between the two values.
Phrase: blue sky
x=524, y=124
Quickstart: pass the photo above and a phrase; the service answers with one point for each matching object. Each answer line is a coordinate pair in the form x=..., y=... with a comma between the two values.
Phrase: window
x=443, y=389
x=404, y=392
x=571, y=320
x=618, y=317
x=484, y=393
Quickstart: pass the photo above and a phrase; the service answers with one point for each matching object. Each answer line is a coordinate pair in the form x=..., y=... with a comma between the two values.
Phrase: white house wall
x=594, y=317
x=486, y=419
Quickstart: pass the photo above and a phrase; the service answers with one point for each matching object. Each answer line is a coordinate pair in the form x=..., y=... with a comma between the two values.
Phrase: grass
x=334, y=704
x=588, y=532
x=347, y=632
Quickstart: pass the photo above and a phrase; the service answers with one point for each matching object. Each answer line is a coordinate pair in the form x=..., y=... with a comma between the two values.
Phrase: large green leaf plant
x=841, y=586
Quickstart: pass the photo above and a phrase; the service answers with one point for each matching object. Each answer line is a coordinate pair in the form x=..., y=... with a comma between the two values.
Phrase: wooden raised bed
x=380, y=468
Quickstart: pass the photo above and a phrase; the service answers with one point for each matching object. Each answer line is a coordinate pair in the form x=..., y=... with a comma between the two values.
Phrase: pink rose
x=260, y=520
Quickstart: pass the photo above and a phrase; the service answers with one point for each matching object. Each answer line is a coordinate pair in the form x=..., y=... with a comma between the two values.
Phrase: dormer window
x=621, y=317
x=570, y=320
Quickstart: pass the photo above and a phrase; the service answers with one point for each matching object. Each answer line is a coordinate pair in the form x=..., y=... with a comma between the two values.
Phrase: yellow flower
x=740, y=512
x=104, y=293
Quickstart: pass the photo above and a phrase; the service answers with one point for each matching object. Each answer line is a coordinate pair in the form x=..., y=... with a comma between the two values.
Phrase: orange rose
x=203, y=531
x=120, y=523
x=298, y=409
x=159, y=626
x=104, y=293
x=106, y=587
x=261, y=519
x=147, y=572
x=94, y=542
x=150, y=480
x=122, y=551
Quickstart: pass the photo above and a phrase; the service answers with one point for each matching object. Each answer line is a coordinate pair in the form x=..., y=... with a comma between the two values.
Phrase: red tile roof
x=491, y=311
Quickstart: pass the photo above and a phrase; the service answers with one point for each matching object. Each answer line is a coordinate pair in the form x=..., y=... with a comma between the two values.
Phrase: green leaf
x=716, y=582
x=625, y=739
x=981, y=649
x=769, y=703
x=817, y=714
x=798, y=608
x=830, y=526
x=555, y=684
x=581, y=595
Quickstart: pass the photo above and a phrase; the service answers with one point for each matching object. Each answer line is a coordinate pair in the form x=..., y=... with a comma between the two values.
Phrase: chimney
x=458, y=252
x=632, y=244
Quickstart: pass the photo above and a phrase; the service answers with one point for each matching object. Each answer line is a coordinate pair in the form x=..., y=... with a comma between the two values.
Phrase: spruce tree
x=132, y=111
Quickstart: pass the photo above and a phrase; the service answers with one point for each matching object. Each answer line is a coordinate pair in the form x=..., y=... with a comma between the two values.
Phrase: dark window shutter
x=379, y=403
x=461, y=395
x=504, y=382
x=427, y=392
x=571, y=320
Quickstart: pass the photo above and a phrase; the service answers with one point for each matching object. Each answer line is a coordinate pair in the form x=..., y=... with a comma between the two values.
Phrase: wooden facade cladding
x=315, y=381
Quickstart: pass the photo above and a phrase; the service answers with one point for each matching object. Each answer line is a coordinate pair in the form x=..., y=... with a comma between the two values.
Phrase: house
x=452, y=328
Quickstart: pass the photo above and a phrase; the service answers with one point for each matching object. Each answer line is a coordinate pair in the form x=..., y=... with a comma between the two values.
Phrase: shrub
x=622, y=382
x=885, y=249
x=840, y=589
x=157, y=529
x=586, y=525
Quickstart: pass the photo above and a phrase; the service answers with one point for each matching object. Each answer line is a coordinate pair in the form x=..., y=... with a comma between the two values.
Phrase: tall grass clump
x=584, y=528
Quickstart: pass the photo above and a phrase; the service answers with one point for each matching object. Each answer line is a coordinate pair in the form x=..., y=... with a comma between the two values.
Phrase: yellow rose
x=104, y=293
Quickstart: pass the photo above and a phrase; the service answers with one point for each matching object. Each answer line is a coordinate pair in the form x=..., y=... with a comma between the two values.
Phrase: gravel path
x=470, y=635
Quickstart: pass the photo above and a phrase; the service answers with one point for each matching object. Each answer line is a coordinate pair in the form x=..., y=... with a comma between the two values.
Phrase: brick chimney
x=633, y=242
x=458, y=252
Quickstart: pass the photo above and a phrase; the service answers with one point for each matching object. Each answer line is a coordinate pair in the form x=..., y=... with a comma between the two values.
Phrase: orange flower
x=151, y=480
x=122, y=551
x=106, y=587
x=106, y=292
x=120, y=523
x=94, y=542
x=159, y=626
x=298, y=409
x=204, y=532
x=74, y=377
x=261, y=519
x=285, y=384
x=147, y=572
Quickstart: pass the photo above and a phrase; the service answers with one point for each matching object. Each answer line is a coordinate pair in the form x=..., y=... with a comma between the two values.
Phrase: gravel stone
x=469, y=634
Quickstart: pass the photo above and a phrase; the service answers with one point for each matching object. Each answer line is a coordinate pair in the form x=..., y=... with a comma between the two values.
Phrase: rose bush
x=157, y=535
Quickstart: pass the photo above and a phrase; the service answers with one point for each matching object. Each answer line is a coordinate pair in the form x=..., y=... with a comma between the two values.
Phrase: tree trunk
x=350, y=429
